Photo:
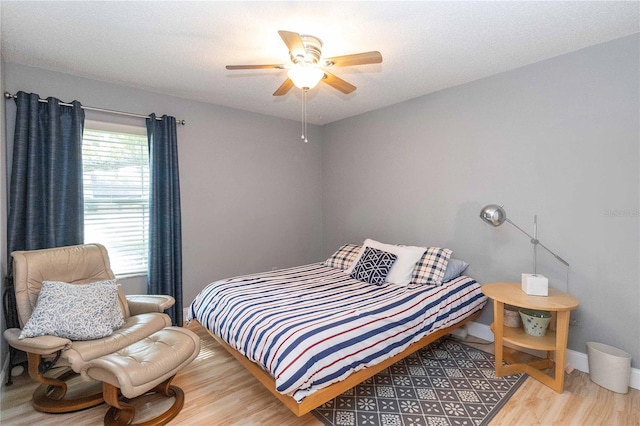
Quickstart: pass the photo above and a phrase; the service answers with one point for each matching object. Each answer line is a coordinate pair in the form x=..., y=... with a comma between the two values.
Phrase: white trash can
x=609, y=367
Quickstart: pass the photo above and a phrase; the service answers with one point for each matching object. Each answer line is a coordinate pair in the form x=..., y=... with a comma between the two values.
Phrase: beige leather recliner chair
x=143, y=316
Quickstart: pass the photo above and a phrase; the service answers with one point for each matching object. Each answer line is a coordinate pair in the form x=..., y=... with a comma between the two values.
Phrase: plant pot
x=535, y=322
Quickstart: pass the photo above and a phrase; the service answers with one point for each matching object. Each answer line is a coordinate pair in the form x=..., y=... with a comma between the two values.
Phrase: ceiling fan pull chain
x=304, y=115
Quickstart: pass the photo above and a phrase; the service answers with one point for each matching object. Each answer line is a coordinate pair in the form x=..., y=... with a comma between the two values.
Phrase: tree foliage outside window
x=116, y=194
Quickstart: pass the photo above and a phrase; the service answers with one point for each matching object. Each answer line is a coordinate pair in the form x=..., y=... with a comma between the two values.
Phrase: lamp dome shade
x=493, y=214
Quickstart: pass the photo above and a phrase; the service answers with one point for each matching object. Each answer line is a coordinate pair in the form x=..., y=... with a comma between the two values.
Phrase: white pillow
x=75, y=311
x=407, y=257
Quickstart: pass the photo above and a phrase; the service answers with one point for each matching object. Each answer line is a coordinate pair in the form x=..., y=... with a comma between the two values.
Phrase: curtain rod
x=8, y=95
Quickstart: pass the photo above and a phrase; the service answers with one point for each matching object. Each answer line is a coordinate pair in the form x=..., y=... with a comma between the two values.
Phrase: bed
x=311, y=332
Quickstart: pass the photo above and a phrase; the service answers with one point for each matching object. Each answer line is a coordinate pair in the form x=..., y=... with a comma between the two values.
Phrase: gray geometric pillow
x=75, y=311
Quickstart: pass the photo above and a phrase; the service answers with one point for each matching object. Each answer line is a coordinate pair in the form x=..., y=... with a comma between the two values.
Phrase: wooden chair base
x=122, y=413
x=49, y=397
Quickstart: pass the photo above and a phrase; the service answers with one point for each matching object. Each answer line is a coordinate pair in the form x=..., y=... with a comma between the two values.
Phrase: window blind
x=116, y=194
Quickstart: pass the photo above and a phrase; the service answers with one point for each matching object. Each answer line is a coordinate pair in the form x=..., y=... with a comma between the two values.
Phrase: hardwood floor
x=582, y=403
x=220, y=392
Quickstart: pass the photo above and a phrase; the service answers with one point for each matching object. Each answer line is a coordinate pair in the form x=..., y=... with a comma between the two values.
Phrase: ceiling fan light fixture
x=306, y=71
x=305, y=76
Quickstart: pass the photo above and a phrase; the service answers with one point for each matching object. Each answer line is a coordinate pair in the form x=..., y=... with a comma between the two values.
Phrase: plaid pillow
x=374, y=266
x=343, y=258
x=431, y=266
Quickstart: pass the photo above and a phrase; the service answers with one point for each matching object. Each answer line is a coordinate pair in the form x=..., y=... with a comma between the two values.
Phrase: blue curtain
x=45, y=193
x=165, y=226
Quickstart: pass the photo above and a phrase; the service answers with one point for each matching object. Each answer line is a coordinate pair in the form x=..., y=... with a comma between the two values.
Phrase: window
x=115, y=161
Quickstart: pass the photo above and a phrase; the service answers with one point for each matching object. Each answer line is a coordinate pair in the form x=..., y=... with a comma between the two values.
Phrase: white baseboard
x=479, y=330
x=577, y=360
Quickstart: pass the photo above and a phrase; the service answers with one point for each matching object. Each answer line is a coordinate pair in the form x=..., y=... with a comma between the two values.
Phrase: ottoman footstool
x=147, y=365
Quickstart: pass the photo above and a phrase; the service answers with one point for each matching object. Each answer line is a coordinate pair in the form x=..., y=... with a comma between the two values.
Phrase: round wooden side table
x=555, y=340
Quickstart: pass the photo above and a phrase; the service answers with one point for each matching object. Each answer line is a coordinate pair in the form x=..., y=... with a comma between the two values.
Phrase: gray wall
x=250, y=190
x=559, y=138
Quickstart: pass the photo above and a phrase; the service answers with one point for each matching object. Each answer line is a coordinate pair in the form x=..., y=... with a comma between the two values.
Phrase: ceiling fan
x=306, y=69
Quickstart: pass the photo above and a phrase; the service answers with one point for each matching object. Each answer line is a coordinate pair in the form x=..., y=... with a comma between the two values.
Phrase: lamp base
x=535, y=285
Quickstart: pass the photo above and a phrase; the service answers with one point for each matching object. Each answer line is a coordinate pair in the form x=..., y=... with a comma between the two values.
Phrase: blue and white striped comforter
x=312, y=325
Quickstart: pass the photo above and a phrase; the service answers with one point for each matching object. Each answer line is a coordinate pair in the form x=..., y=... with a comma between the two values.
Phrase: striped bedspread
x=312, y=325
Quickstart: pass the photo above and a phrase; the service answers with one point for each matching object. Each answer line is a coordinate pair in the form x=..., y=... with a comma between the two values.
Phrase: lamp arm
x=522, y=230
x=536, y=241
x=554, y=255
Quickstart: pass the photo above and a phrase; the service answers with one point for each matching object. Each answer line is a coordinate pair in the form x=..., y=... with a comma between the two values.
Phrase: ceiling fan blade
x=364, y=58
x=338, y=83
x=255, y=67
x=284, y=88
x=293, y=42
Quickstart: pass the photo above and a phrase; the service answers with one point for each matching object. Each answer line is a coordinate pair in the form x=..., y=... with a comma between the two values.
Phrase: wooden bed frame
x=323, y=395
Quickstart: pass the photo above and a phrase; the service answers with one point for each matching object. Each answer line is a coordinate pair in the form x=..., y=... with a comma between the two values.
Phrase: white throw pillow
x=75, y=311
x=407, y=257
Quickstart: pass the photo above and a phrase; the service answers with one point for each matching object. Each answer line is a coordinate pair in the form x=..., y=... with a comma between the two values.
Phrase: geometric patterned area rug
x=445, y=383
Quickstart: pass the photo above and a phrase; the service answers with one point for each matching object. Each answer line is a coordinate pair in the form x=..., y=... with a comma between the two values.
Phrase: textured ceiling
x=181, y=48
